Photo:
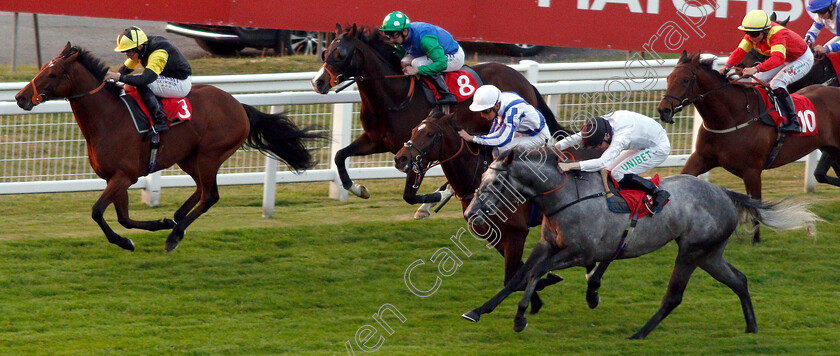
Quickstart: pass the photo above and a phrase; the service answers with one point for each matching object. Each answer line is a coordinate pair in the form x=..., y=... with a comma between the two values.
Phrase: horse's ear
x=337, y=28
x=773, y=16
x=352, y=31
x=66, y=48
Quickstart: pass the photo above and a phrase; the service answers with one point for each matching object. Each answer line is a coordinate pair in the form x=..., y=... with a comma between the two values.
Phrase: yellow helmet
x=131, y=38
x=755, y=20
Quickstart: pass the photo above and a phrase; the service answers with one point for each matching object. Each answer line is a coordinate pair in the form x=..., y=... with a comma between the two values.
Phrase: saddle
x=462, y=83
x=176, y=110
x=623, y=201
x=805, y=112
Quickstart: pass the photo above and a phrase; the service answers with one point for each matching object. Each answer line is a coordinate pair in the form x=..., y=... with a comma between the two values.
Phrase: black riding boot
x=632, y=181
x=153, y=106
x=446, y=98
x=785, y=103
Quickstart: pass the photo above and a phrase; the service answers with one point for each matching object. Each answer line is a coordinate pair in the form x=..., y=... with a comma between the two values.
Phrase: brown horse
x=746, y=145
x=391, y=105
x=436, y=139
x=219, y=126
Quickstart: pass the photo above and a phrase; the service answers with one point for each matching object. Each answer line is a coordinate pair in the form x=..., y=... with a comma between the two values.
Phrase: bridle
x=688, y=100
x=351, y=65
x=417, y=161
x=42, y=97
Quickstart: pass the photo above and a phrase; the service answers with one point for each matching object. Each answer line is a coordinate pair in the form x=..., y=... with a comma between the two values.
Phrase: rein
x=683, y=102
x=568, y=205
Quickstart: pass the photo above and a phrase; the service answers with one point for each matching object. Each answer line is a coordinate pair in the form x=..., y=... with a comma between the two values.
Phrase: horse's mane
x=371, y=37
x=94, y=65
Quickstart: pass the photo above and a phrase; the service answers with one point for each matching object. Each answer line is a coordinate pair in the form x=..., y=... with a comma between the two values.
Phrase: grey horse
x=579, y=230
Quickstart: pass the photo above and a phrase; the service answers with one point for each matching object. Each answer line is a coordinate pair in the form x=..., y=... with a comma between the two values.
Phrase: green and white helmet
x=395, y=21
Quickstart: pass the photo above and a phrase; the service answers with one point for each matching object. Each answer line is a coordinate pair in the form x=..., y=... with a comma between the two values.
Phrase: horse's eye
x=52, y=75
x=685, y=80
x=429, y=134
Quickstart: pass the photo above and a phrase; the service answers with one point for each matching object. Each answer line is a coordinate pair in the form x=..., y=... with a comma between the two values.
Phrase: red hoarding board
x=649, y=25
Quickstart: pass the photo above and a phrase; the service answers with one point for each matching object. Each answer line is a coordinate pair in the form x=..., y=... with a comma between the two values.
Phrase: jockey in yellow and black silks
x=167, y=73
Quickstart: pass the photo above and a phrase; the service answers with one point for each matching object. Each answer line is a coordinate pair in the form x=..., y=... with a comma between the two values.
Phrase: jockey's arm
x=431, y=46
x=575, y=141
x=154, y=66
x=777, y=58
x=500, y=137
x=739, y=53
x=593, y=165
x=833, y=45
x=814, y=31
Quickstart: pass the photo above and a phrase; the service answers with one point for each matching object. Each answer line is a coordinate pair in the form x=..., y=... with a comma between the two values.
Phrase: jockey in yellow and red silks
x=790, y=59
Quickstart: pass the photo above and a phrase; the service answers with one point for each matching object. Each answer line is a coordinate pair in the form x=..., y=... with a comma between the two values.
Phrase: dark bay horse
x=578, y=230
x=744, y=148
x=118, y=154
x=393, y=104
x=436, y=139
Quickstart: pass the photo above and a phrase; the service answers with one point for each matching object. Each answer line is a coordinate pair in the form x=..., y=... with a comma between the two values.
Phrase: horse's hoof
x=536, y=306
x=169, y=223
x=173, y=240
x=127, y=244
x=592, y=298
x=423, y=212
x=552, y=278
x=519, y=324
x=360, y=191
x=472, y=316
x=171, y=245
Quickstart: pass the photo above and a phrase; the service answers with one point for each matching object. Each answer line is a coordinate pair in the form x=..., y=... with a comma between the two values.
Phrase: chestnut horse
x=391, y=105
x=118, y=154
x=436, y=139
x=746, y=145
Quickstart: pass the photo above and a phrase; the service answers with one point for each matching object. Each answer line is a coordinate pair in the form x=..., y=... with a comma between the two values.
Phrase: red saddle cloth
x=175, y=109
x=636, y=199
x=805, y=112
x=461, y=83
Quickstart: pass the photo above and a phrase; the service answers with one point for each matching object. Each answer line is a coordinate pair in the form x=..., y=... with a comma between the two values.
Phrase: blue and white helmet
x=817, y=5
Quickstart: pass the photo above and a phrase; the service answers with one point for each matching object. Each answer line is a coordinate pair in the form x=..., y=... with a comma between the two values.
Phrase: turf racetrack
x=310, y=282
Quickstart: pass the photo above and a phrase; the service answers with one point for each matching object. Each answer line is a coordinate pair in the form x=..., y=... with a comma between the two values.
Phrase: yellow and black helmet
x=131, y=38
x=756, y=20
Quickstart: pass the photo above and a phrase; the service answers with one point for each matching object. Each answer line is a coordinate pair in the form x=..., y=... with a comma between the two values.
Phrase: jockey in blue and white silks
x=827, y=17
x=515, y=121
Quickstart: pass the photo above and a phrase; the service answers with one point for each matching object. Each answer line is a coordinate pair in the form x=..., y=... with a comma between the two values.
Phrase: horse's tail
x=779, y=215
x=556, y=130
x=277, y=136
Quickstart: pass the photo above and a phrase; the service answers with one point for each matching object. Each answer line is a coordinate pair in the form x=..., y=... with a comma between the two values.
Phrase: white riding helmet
x=485, y=97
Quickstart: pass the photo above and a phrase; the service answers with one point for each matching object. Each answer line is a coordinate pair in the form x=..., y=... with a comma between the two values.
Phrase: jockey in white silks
x=634, y=144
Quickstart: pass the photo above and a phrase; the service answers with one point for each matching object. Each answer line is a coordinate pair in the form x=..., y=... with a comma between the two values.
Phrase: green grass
x=305, y=282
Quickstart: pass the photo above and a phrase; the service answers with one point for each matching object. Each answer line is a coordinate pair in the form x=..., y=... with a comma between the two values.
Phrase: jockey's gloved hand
x=411, y=70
